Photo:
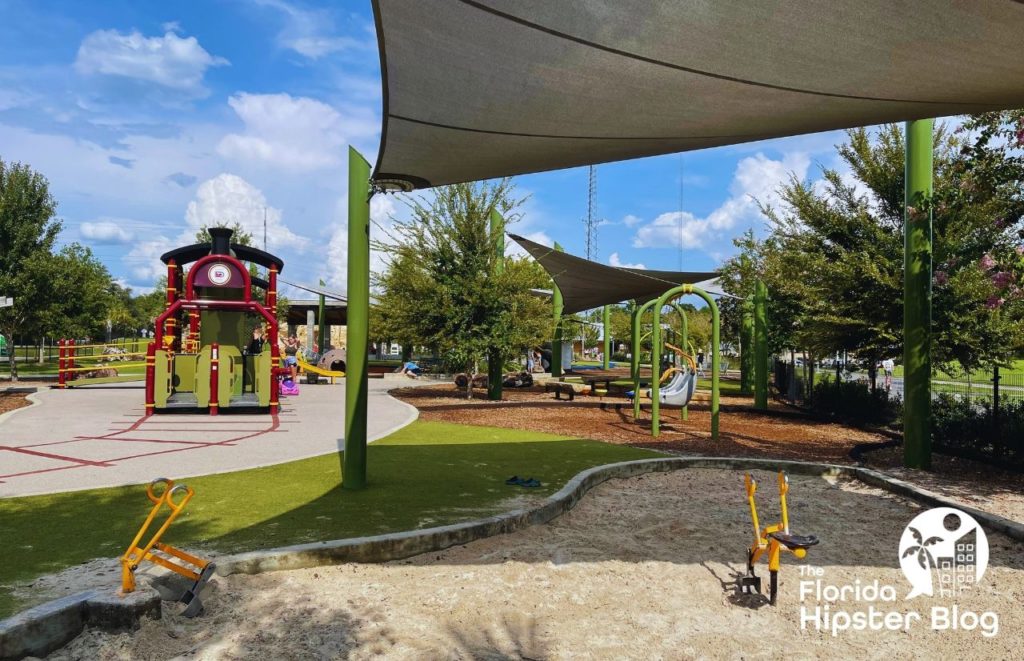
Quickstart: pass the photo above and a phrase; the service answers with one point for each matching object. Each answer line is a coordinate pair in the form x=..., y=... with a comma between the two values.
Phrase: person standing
x=291, y=350
x=889, y=366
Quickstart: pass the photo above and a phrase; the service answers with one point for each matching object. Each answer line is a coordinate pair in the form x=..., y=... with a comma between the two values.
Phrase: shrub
x=853, y=401
x=619, y=357
x=968, y=429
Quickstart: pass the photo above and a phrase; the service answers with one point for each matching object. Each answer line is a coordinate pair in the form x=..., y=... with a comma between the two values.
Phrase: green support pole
x=917, y=296
x=637, y=340
x=634, y=342
x=746, y=345
x=760, y=346
x=322, y=322
x=606, y=320
x=494, y=361
x=656, y=355
x=685, y=413
x=354, y=463
x=556, y=339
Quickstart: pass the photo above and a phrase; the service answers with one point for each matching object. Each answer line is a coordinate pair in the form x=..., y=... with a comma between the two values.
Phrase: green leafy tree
x=28, y=229
x=78, y=295
x=833, y=260
x=440, y=289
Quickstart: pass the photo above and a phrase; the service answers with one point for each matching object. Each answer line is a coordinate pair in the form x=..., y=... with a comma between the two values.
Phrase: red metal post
x=214, y=368
x=150, y=378
x=272, y=337
x=71, y=357
x=172, y=290
x=271, y=298
x=275, y=359
x=60, y=365
x=179, y=322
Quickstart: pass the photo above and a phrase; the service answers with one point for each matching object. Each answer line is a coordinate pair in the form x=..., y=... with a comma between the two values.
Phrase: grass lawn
x=427, y=474
x=1015, y=371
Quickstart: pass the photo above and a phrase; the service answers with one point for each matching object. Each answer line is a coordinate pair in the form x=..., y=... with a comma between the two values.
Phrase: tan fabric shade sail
x=586, y=285
x=475, y=89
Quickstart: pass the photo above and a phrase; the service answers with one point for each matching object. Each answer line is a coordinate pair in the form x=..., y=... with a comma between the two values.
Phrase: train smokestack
x=221, y=240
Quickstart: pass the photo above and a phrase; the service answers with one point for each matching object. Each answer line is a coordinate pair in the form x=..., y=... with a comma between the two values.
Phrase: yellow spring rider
x=165, y=555
x=773, y=540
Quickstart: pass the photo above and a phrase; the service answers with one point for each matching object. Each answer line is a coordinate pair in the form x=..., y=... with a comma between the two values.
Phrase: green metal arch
x=672, y=294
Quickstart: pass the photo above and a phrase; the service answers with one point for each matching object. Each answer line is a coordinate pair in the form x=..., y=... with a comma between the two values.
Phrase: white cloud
x=383, y=209
x=614, y=260
x=513, y=249
x=222, y=201
x=172, y=61
x=106, y=231
x=308, y=32
x=143, y=260
x=631, y=221
x=228, y=199
x=757, y=179
x=295, y=133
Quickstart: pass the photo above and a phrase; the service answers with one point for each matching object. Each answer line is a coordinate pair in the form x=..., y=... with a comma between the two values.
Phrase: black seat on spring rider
x=794, y=541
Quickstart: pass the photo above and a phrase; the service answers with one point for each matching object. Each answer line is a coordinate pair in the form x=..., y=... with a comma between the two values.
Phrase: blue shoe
x=529, y=483
x=515, y=480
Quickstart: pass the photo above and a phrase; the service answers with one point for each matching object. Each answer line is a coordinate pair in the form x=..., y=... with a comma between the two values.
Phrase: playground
x=640, y=568
x=223, y=490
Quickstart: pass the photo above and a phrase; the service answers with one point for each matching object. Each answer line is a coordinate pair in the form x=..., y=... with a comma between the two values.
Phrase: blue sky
x=153, y=118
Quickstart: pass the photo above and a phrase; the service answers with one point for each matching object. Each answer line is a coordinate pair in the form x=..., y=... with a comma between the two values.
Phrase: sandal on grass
x=529, y=483
x=515, y=480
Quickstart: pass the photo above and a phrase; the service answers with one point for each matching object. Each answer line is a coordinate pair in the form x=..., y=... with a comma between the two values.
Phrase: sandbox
x=641, y=568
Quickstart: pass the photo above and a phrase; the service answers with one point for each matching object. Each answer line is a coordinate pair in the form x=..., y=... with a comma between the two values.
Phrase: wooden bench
x=560, y=389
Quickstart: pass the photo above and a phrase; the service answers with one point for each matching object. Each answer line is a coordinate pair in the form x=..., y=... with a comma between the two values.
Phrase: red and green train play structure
x=199, y=356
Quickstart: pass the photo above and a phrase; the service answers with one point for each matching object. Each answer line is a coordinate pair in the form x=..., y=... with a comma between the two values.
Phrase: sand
x=641, y=568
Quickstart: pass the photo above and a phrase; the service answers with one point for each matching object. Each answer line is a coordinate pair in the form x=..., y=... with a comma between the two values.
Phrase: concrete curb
x=395, y=546
x=45, y=628
x=48, y=627
x=32, y=397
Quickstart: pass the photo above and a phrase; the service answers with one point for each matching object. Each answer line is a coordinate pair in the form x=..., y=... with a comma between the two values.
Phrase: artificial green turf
x=427, y=474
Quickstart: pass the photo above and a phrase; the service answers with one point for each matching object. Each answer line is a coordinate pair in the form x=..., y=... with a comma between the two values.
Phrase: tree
x=78, y=295
x=833, y=260
x=28, y=230
x=440, y=290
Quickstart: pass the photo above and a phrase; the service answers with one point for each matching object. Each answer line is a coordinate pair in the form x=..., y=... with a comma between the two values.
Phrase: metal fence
x=791, y=381
x=47, y=350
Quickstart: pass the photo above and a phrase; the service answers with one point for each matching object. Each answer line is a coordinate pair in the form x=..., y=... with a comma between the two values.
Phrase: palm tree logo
x=953, y=561
x=924, y=556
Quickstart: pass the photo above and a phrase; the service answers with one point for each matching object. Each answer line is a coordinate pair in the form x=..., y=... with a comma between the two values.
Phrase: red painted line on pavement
x=84, y=462
x=44, y=470
x=141, y=440
x=108, y=463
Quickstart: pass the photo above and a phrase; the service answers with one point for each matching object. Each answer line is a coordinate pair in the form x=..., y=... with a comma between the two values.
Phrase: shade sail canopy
x=475, y=89
x=585, y=284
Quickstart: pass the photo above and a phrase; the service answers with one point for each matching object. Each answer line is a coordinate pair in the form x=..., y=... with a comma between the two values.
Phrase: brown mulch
x=10, y=401
x=781, y=433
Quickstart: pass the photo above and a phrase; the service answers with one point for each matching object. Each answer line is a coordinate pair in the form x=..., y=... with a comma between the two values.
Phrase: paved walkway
x=98, y=437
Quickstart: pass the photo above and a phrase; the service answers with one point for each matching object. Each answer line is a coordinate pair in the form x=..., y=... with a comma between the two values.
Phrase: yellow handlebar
x=783, y=490
x=151, y=488
x=688, y=357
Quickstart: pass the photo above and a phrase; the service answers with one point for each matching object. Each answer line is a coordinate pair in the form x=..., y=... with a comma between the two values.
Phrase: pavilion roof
x=586, y=285
x=476, y=89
